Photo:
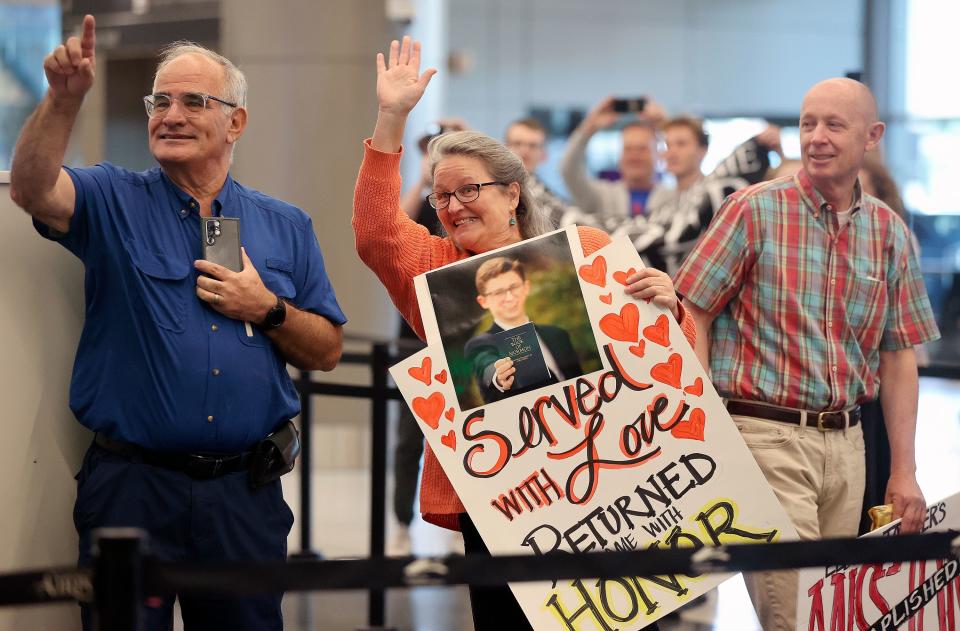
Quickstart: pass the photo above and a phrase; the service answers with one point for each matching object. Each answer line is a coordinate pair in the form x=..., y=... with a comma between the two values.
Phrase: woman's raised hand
x=399, y=82
x=399, y=87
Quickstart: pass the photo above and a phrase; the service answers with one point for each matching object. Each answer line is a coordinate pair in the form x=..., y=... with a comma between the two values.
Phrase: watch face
x=276, y=315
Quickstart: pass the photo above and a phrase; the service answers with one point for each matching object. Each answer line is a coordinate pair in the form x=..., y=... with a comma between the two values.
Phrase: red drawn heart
x=449, y=414
x=639, y=349
x=623, y=327
x=441, y=376
x=429, y=409
x=693, y=428
x=696, y=389
x=669, y=372
x=659, y=331
x=621, y=277
x=595, y=274
x=606, y=299
x=449, y=440
x=422, y=374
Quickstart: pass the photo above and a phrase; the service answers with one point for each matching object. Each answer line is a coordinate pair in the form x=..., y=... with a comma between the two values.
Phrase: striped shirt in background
x=803, y=307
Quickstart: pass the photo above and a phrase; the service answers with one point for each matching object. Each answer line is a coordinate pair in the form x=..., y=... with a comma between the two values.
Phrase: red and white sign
x=639, y=454
x=917, y=595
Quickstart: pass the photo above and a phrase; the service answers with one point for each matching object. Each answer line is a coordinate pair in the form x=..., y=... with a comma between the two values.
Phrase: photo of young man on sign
x=513, y=321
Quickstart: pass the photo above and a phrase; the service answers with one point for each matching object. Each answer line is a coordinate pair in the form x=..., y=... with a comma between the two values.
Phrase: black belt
x=197, y=466
x=825, y=420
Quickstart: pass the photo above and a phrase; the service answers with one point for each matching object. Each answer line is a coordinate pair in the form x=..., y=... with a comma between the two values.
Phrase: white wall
x=728, y=56
x=41, y=312
x=311, y=68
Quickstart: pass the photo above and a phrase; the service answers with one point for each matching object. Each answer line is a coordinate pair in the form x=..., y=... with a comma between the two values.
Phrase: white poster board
x=916, y=595
x=638, y=453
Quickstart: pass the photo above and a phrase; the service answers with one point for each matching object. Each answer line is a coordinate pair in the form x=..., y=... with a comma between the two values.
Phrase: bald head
x=838, y=125
x=846, y=92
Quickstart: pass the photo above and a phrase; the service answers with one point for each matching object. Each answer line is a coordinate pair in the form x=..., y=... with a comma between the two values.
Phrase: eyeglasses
x=499, y=294
x=519, y=144
x=193, y=103
x=465, y=194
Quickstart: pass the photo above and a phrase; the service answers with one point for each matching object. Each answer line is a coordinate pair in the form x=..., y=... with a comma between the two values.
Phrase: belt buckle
x=844, y=414
x=201, y=467
x=820, y=417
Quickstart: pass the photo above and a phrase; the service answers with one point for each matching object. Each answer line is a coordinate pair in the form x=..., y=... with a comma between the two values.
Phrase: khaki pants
x=819, y=478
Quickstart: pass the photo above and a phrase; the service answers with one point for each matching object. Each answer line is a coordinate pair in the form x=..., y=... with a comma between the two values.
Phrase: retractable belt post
x=380, y=364
x=118, y=578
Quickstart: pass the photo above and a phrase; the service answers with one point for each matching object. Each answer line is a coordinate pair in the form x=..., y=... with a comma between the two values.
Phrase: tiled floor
x=341, y=530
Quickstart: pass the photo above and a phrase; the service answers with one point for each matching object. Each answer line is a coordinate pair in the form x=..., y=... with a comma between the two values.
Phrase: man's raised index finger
x=88, y=41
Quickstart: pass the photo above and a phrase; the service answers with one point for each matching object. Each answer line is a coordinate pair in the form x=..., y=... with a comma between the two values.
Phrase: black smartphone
x=221, y=241
x=627, y=106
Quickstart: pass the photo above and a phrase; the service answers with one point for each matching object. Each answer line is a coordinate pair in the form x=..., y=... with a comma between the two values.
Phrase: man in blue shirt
x=182, y=362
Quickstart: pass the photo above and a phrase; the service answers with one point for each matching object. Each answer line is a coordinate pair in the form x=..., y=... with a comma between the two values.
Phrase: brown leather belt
x=826, y=420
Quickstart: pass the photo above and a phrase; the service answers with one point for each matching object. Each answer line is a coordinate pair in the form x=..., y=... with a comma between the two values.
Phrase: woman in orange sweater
x=483, y=202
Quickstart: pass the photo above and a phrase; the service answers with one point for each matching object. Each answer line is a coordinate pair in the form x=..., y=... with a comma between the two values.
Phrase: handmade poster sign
x=918, y=595
x=636, y=453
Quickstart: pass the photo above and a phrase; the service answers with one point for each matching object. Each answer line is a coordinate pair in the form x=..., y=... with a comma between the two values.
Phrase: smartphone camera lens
x=213, y=231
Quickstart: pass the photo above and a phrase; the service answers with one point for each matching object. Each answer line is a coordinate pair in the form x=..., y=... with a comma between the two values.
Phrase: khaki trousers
x=819, y=479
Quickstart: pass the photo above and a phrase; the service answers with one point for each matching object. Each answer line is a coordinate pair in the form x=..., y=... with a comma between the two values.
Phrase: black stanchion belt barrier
x=162, y=578
x=46, y=586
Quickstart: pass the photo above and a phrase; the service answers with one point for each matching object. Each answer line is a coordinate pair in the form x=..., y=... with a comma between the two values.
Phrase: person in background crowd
x=807, y=296
x=677, y=216
x=181, y=368
x=610, y=203
x=662, y=222
x=527, y=138
x=876, y=180
x=479, y=191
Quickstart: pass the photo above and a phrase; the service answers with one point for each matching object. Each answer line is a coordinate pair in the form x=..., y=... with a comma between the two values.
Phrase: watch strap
x=275, y=316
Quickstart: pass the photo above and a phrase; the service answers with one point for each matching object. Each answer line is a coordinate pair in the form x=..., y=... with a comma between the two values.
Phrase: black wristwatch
x=274, y=317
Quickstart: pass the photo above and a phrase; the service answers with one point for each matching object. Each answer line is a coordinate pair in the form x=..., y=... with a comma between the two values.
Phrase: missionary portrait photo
x=513, y=321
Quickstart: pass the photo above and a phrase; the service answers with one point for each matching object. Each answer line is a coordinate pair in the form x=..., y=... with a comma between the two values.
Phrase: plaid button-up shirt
x=804, y=306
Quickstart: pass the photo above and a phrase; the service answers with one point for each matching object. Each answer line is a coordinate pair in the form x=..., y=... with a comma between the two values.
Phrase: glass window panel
x=27, y=34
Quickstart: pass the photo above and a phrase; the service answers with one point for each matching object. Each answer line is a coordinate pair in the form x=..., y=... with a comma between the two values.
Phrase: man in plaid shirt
x=807, y=297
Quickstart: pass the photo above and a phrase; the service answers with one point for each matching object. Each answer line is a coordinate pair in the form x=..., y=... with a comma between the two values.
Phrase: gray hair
x=503, y=165
x=234, y=81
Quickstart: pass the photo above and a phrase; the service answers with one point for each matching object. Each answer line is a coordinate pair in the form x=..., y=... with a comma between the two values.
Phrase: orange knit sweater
x=397, y=248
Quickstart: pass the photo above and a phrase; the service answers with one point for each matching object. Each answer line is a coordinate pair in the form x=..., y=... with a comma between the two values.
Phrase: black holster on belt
x=274, y=456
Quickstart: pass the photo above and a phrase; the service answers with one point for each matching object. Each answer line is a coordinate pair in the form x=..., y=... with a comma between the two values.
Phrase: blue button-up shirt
x=155, y=365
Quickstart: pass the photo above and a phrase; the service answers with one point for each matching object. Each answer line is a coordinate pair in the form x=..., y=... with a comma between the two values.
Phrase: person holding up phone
x=612, y=202
x=663, y=222
x=181, y=367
